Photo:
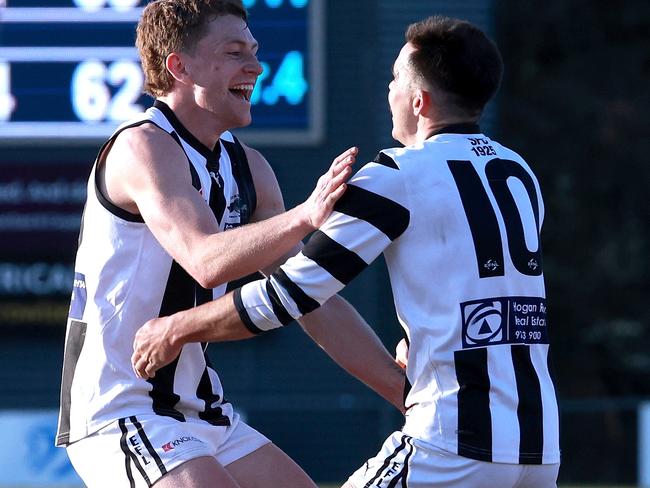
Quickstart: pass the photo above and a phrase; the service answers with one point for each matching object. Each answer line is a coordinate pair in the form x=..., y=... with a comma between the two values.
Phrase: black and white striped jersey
x=123, y=277
x=458, y=219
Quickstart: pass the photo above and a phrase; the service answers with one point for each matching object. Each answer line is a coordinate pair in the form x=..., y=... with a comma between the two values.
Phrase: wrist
x=174, y=333
x=301, y=218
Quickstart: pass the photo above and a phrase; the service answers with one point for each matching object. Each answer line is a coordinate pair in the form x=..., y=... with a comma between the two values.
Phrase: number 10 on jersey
x=482, y=218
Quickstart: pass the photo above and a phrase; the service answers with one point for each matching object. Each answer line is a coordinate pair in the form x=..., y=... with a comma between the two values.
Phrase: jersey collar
x=186, y=135
x=465, y=128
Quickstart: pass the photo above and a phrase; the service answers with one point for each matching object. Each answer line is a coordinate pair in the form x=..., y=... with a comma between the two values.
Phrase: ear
x=175, y=64
x=421, y=102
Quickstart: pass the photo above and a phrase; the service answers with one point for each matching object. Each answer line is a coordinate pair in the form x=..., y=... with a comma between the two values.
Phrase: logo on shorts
x=171, y=445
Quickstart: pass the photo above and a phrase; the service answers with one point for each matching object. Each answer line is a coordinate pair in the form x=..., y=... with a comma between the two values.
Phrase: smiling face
x=223, y=69
x=401, y=95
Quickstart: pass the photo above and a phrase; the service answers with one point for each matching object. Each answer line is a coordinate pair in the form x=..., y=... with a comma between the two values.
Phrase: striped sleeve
x=366, y=220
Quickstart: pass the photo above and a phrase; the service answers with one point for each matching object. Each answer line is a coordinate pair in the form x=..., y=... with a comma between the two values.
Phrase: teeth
x=246, y=89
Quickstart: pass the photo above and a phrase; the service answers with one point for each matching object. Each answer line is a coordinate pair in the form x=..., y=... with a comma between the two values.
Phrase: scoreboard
x=69, y=75
x=69, y=71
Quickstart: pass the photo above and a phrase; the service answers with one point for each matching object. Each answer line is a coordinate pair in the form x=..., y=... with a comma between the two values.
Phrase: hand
x=402, y=353
x=152, y=348
x=330, y=188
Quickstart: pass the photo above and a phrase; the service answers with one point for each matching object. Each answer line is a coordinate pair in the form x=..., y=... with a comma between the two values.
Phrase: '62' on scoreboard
x=69, y=70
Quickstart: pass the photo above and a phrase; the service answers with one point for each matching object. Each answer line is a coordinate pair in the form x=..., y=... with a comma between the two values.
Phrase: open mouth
x=243, y=91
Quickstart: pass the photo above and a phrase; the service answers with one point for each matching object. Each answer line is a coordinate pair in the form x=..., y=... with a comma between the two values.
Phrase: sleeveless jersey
x=124, y=277
x=458, y=219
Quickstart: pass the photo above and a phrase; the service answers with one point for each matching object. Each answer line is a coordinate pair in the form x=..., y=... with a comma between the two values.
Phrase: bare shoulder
x=269, y=196
x=260, y=167
x=146, y=151
x=146, y=145
x=143, y=160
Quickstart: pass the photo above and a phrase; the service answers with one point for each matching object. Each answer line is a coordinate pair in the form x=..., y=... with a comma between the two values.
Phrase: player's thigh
x=269, y=467
x=201, y=472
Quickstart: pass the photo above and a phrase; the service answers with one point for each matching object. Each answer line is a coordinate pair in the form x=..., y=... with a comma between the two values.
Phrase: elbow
x=204, y=276
x=206, y=281
x=200, y=264
x=209, y=280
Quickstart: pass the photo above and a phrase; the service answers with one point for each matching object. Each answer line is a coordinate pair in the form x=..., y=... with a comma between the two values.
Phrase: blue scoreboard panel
x=69, y=71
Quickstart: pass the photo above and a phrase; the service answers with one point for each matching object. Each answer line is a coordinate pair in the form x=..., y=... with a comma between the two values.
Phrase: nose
x=254, y=66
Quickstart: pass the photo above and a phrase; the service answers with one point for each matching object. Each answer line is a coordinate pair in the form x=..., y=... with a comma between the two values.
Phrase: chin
x=246, y=118
x=241, y=122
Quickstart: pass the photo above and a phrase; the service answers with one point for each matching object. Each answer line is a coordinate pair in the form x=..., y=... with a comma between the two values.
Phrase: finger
x=332, y=185
x=349, y=159
x=347, y=162
x=339, y=179
x=346, y=159
x=337, y=168
x=333, y=197
x=144, y=368
x=139, y=368
x=150, y=370
x=352, y=151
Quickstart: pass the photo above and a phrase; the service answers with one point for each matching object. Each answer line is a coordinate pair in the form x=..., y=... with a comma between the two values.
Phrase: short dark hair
x=175, y=25
x=456, y=57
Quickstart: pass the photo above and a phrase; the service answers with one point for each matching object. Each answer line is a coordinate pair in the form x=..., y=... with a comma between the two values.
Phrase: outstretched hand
x=153, y=348
x=329, y=188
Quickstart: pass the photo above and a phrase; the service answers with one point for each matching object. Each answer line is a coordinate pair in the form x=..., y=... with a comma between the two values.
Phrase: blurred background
x=574, y=103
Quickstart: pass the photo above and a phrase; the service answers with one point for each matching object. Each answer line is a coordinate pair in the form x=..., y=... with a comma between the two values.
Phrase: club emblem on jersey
x=532, y=264
x=236, y=205
x=236, y=208
x=482, y=323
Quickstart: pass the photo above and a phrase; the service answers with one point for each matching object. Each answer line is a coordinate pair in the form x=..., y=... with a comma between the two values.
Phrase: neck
x=198, y=121
x=428, y=127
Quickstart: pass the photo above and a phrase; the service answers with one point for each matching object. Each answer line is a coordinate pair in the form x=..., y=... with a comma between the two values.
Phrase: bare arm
x=336, y=326
x=146, y=173
x=160, y=340
x=346, y=337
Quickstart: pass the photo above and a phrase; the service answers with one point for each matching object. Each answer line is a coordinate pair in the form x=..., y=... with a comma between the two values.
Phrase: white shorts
x=137, y=451
x=405, y=462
